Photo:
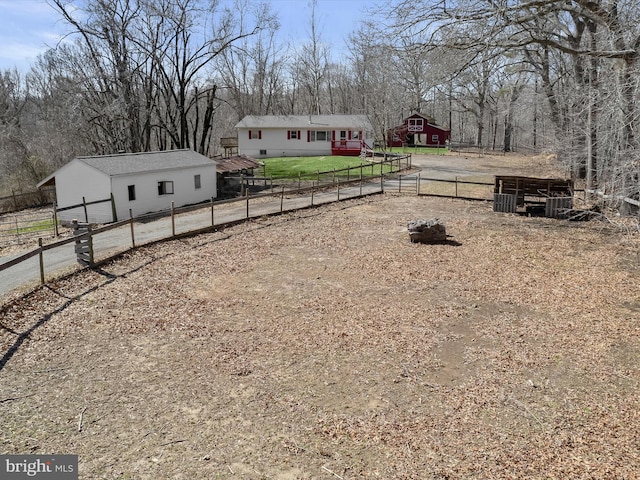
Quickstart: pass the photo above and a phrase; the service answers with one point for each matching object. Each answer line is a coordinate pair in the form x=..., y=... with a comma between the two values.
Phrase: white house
x=262, y=136
x=143, y=182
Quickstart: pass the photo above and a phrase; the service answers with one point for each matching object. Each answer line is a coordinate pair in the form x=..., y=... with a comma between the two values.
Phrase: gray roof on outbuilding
x=316, y=122
x=131, y=163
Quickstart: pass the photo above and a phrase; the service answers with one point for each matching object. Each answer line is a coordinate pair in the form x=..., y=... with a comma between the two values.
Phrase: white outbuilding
x=108, y=186
x=263, y=136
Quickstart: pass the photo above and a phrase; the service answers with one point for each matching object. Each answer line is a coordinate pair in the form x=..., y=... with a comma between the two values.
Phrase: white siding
x=277, y=144
x=146, y=190
x=76, y=180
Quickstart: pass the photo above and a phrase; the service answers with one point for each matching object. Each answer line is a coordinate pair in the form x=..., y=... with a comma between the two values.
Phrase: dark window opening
x=165, y=188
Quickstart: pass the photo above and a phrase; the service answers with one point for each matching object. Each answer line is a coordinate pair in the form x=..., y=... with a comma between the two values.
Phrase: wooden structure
x=549, y=195
x=418, y=129
x=228, y=170
x=229, y=145
x=84, y=246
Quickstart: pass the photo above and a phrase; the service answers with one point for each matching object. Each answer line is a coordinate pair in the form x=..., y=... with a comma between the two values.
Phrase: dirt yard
x=324, y=345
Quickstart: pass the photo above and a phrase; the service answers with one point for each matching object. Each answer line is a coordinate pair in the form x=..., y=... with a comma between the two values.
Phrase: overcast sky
x=29, y=27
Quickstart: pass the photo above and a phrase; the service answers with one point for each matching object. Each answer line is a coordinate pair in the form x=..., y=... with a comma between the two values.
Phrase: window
x=435, y=138
x=415, y=124
x=343, y=134
x=292, y=134
x=319, y=136
x=165, y=188
x=263, y=152
x=355, y=135
x=132, y=192
x=255, y=134
x=196, y=181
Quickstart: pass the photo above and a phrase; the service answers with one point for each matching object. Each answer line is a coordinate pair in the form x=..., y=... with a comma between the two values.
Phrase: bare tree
x=144, y=67
x=584, y=35
x=311, y=66
x=252, y=72
x=376, y=84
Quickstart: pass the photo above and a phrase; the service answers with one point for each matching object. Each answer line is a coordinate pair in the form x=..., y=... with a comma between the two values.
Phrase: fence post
x=173, y=220
x=382, y=183
x=313, y=189
x=271, y=183
x=113, y=209
x=247, y=195
x=55, y=218
x=133, y=238
x=213, y=221
x=338, y=191
x=90, y=245
x=318, y=177
x=299, y=179
x=84, y=205
x=418, y=185
x=41, y=261
x=456, y=186
x=399, y=183
x=281, y=199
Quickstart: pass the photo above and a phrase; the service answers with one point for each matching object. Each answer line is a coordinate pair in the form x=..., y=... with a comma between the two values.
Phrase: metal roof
x=236, y=163
x=316, y=122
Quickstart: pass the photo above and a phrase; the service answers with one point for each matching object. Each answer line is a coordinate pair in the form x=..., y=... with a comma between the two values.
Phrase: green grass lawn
x=308, y=167
x=37, y=226
x=31, y=227
x=423, y=150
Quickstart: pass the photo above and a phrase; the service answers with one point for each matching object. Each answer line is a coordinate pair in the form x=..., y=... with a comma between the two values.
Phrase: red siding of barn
x=422, y=132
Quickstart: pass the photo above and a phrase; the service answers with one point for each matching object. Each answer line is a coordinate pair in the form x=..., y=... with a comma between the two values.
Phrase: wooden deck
x=348, y=148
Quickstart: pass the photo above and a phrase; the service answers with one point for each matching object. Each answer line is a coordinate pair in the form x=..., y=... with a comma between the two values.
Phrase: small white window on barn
x=415, y=124
x=435, y=138
x=132, y=192
x=165, y=188
x=196, y=181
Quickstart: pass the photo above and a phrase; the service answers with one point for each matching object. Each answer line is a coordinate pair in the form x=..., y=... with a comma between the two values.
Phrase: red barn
x=418, y=129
